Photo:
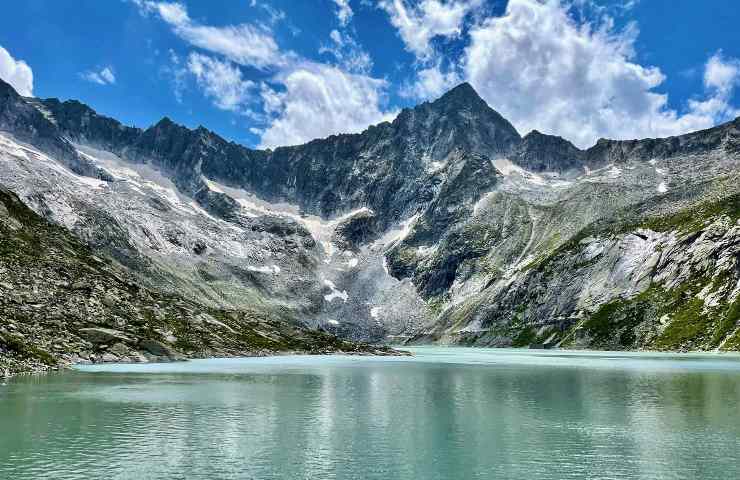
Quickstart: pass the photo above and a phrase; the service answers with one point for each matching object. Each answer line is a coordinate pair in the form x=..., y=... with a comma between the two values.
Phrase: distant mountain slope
x=433, y=227
x=60, y=303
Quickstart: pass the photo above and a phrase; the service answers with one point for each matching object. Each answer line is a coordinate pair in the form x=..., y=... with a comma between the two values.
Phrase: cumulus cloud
x=721, y=77
x=244, y=44
x=344, y=11
x=348, y=53
x=302, y=100
x=722, y=73
x=220, y=80
x=431, y=82
x=17, y=73
x=418, y=24
x=104, y=76
x=319, y=100
x=543, y=70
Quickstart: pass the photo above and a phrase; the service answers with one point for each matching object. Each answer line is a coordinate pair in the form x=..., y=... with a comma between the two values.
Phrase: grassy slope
x=659, y=318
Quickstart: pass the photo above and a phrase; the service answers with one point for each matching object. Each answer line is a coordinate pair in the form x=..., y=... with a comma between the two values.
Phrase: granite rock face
x=538, y=152
x=444, y=225
x=386, y=168
x=29, y=121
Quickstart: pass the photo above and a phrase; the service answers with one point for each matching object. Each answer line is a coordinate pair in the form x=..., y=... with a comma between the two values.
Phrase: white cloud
x=431, y=83
x=220, y=80
x=721, y=77
x=721, y=73
x=104, y=76
x=244, y=44
x=344, y=11
x=17, y=73
x=541, y=69
x=177, y=74
x=348, y=53
x=320, y=100
x=311, y=99
x=418, y=25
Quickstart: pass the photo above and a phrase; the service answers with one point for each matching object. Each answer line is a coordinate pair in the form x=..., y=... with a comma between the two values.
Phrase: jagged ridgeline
x=444, y=225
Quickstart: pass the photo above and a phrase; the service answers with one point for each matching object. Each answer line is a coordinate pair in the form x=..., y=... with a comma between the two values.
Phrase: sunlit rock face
x=444, y=225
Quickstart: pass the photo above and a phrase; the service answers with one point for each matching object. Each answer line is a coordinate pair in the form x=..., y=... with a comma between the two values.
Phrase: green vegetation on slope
x=675, y=319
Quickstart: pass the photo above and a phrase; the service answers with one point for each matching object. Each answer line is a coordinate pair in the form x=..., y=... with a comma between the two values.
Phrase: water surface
x=447, y=413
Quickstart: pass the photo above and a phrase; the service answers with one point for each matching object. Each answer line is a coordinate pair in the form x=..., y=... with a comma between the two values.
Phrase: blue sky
x=274, y=72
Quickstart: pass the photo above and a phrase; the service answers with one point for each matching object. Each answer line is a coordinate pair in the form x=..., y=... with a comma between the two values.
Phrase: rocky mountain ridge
x=421, y=229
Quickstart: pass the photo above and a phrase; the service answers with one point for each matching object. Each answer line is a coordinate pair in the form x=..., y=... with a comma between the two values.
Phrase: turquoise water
x=447, y=413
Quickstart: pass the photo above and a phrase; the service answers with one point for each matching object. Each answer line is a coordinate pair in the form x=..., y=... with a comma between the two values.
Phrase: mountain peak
x=461, y=94
x=472, y=124
x=7, y=89
x=165, y=122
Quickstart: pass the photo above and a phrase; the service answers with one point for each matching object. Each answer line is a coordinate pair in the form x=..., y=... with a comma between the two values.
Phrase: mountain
x=444, y=225
x=61, y=303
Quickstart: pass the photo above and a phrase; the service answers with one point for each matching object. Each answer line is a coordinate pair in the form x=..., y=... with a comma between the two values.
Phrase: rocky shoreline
x=31, y=367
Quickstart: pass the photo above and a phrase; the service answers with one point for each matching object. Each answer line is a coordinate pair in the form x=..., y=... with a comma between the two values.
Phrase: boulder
x=99, y=336
x=159, y=349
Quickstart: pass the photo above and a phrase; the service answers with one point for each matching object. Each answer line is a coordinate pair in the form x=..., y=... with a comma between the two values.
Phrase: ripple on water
x=445, y=413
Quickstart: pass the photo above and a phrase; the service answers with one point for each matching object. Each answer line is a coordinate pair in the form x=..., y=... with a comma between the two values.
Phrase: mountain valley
x=442, y=226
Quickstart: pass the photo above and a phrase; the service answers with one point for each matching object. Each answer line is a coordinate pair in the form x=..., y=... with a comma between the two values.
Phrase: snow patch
x=139, y=177
x=375, y=312
x=272, y=269
x=12, y=148
x=662, y=187
x=335, y=293
x=213, y=186
x=481, y=202
x=506, y=167
x=17, y=150
x=93, y=182
x=321, y=230
x=509, y=169
x=425, y=251
x=435, y=167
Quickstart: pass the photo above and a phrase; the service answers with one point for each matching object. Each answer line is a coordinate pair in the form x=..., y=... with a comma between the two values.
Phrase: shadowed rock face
x=357, y=230
x=547, y=153
x=30, y=124
x=443, y=225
